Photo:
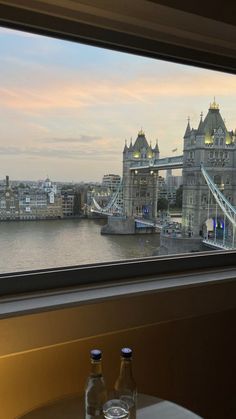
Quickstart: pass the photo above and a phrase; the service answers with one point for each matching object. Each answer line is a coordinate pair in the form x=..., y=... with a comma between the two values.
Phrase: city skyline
x=68, y=108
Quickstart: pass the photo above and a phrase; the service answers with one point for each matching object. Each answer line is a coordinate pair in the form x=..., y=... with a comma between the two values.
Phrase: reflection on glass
x=115, y=409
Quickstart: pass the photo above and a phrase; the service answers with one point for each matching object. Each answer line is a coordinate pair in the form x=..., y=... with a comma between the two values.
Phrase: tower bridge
x=166, y=163
x=208, y=166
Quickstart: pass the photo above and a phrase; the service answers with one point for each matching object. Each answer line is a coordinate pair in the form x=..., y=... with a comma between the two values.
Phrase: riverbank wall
x=170, y=245
x=62, y=218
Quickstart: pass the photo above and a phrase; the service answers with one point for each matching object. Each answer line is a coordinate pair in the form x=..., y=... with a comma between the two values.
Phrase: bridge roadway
x=148, y=223
x=102, y=212
x=160, y=164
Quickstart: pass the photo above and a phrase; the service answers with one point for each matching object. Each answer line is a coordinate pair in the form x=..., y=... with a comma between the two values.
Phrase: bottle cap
x=126, y=352
x=96, y=354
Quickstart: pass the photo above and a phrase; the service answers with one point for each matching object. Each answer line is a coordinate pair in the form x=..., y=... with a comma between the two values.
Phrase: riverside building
x=28, y=203
x=111, y=181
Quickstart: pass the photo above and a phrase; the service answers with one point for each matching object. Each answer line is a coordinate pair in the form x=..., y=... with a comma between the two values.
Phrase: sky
x=66, y=109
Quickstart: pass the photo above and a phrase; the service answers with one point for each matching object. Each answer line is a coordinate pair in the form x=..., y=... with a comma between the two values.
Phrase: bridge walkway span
x=160, y=164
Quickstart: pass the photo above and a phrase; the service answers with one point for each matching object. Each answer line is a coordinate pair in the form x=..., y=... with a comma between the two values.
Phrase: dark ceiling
x=224, y=11
x=200, y=33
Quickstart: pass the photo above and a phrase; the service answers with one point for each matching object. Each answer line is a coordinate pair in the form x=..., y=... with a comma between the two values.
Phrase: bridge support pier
x=127, y=225
x=119, y=225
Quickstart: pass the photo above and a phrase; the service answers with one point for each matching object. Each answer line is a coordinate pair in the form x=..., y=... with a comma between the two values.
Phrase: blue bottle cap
x=126, y=352
x=96, y=354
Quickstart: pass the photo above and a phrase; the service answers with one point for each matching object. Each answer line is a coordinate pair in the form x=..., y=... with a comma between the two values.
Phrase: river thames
x=30, y=245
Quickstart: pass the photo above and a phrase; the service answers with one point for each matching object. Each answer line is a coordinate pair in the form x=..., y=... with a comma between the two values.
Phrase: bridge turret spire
x=200, y=126
x=141, y=141
x=125, y=147
x=188, y=129
x=214, y=105
x=141, y=132
x=156, y=149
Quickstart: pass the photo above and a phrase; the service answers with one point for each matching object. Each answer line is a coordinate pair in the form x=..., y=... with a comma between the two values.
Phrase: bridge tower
x=212, y=145
x=140, y=188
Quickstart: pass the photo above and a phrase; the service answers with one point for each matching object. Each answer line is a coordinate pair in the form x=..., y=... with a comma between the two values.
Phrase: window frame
x=103, y=273
x=74, y=276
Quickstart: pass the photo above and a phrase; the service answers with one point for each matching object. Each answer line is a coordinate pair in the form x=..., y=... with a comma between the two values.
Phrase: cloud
x=79, y=139
x=47, y=101
x=76, y=93
x=103, y=152
x=38, y=128
x=184, y=85
x=38, y=99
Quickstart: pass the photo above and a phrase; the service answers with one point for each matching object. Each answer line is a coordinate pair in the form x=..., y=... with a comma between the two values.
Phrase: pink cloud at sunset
x=75, y=94
x=66, y=104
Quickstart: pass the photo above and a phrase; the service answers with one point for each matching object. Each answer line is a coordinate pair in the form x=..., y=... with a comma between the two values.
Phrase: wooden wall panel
x=189, y=361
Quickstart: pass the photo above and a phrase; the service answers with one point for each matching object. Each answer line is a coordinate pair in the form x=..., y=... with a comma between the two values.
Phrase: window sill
x=85, y=295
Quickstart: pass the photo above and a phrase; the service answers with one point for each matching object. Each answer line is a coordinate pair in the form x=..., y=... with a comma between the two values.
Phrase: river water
x=29, y=245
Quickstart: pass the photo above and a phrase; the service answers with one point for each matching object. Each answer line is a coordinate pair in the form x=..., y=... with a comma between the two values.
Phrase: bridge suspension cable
x=227, y=208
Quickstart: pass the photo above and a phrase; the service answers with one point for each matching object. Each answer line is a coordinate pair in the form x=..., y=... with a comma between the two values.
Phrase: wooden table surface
x=149, y=407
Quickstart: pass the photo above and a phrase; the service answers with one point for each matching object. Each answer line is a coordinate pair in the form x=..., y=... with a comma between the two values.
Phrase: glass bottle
x=125, y=386
x=95, y=390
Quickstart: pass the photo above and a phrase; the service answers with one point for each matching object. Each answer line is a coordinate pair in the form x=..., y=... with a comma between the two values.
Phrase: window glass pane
x=110, y=156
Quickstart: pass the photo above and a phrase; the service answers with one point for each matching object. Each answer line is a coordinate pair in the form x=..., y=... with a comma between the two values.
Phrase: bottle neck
x=126, y=368
x=96, y=368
